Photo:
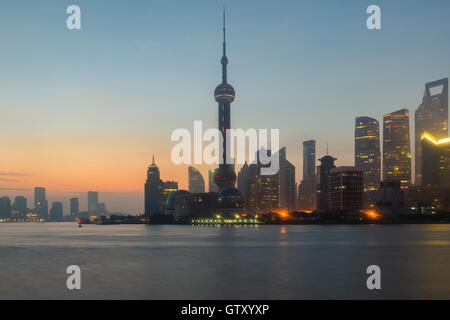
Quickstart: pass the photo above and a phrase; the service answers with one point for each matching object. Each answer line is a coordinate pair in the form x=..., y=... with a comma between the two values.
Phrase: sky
x=87, y=109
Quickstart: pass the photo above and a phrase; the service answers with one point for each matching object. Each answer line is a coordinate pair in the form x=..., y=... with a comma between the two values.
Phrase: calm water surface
x=186, y=262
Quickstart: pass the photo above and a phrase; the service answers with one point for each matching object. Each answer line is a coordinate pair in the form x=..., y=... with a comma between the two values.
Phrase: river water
x=198, y=262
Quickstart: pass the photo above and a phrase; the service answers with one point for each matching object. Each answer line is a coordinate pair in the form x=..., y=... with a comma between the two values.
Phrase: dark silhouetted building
x=307, y=189
x=153, y=187
x=168, y=188
x=263, y=190
x=427, y=200
x=40, y=203
x=346, y=189
x=243, y=180
x=5, y=208
x=56, y=212
x=435, y=161
x=74, y=206
x=396, y=147
x=20, y=205
x=431, y=117
x=323, y=197
x=93, y=203
x=287, y=182
x=196, y=181
x=367, y=151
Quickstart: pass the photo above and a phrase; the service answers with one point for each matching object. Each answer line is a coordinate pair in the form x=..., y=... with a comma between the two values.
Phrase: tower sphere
x=224, y=93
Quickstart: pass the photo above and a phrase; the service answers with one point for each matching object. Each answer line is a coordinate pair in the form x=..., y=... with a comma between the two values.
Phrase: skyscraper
x=40, y=203
x=263, y=190
x=5, y=208
x=396, y=148
x=435, y=161
x=323, y=198
x=287, y=182
x=367, y=151
x=20, y=204
x=224, y=94
x=93, y=203
x=431, y=117
x=346, y=189
x=56, y=212
x=74, y=206
x=309, y=158
x=195, y=181
x=307, y=188
x=153, y=187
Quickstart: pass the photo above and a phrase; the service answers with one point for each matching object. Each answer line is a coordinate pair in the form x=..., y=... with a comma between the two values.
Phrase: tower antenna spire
x=224, y=34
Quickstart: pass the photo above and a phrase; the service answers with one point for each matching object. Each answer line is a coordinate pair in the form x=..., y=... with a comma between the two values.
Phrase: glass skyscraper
x=396, y=148
x=367, y=151
x=431, y=117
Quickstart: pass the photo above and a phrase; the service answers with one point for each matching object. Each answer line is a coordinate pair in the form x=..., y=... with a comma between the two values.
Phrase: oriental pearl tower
x=224, y=177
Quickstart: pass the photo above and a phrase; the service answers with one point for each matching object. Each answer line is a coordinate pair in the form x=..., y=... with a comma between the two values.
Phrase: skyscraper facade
x=323, y=198
x=367, y=151
x=396, y=148
x=346, y=189
x=74, y=206
x=93, y=203
x=263, y=190
x=435, y=161
x=196, y=183
x=287, y=182
x=308, y=187
x=40, y=203
x=309, y=158
x=431, y=117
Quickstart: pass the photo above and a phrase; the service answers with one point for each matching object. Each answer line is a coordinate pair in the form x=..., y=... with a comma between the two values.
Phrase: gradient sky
x=86, y=110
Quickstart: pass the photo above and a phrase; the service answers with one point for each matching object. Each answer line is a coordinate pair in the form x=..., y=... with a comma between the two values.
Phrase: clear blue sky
x=140, y=69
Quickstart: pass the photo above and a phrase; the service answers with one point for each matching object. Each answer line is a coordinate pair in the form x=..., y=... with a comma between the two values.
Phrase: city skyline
x=70, y=174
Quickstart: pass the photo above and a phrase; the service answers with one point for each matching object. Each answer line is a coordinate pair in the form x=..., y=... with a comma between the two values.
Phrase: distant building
x=185, y=204
x=153, y=187
x=5, y=208
x=196, y=181
x=435, y=161
x=40, y=203
x=56, y=212
x=323, y=198
x=396, y=147
x=74, y=206
x=243, y=176
x=287, y=182
x=168, y=187
x=212, y=187
x=93, y=203
x=346, y=189
x=307, y=189
x=263, y=190
x=367, y=151
x=101, y=209
x=431, y=117
x=20, y=205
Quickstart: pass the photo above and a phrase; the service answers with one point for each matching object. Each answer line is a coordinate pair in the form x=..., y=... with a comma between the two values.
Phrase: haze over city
x=87, y=110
